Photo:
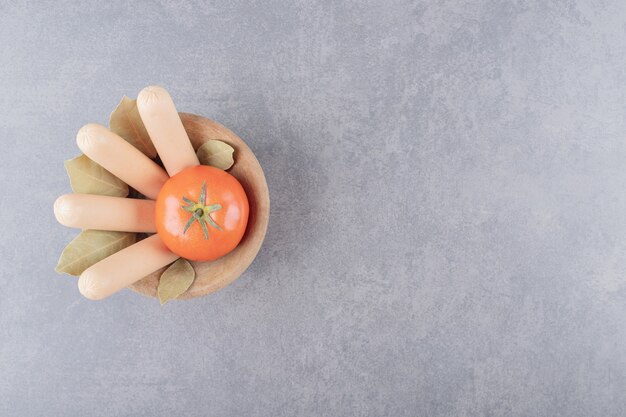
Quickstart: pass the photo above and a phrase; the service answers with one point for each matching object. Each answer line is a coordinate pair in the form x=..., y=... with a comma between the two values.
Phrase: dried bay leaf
x=87, y=177
x=216, y=153
x=92, y=246
x=126, y=122
x=175, y=280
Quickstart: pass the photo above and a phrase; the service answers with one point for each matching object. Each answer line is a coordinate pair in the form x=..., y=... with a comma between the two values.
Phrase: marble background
x=448, y=226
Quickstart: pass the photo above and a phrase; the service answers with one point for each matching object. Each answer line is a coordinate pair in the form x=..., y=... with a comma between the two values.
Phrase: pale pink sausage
x=166, y=130
x=124, y=268
x=121, y=159
x=99, y=212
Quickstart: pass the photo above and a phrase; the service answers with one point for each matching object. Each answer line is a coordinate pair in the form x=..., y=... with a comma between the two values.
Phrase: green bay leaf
x=126, y=122
x=216, y=153
x=175, y=280
x=91, y=246
x=87, y=177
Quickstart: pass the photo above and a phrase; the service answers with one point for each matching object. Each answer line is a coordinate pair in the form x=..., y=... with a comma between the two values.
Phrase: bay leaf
x=216, y=153
x=87, y=177
x=175, y=280
x=126, y=122
x=91, y=246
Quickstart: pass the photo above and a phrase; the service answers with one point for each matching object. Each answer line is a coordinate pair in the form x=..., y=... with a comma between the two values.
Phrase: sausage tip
x=89, y=135
x=62, y=210
x=150, y=95
x=88, y=287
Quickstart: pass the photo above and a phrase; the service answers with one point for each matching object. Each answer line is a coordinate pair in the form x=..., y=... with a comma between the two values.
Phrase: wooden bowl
x=215, y=275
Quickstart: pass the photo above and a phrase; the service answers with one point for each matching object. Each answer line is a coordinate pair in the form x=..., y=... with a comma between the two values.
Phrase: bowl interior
x=212, y=276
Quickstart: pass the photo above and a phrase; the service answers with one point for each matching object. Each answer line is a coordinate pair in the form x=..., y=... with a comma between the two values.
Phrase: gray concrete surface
x=448, y=229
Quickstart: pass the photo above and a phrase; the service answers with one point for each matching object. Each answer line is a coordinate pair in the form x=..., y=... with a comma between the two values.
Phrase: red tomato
x=201, y=213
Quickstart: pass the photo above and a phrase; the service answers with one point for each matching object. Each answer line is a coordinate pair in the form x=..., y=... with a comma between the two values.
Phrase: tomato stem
x=200, y=212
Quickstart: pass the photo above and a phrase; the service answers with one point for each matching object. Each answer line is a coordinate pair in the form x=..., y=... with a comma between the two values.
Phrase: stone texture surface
x=448, y=229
